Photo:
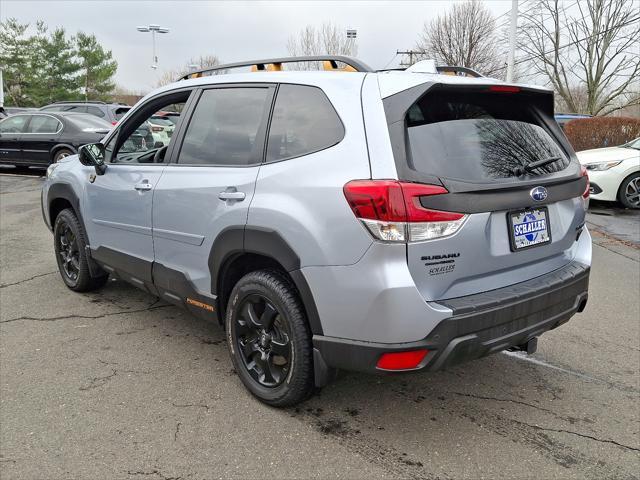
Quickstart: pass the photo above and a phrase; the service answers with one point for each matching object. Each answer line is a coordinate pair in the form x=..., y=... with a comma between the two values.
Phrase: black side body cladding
x=235, y=241
x=64, y=191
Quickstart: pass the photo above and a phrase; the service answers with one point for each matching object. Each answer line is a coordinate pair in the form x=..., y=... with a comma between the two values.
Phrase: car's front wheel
x=269, y=339
x=629, y=191
x=69, y=245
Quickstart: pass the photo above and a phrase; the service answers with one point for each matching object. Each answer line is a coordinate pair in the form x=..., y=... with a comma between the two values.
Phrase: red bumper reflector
x=401, y=360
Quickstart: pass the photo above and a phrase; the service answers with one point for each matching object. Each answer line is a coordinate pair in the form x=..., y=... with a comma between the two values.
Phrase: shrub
x=599, y=132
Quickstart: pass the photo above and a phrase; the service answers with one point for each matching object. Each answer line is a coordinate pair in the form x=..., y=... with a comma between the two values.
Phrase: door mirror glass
x=92, y=155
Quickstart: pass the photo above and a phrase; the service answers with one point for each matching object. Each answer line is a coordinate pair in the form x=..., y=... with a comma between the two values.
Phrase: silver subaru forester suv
x=340, y=219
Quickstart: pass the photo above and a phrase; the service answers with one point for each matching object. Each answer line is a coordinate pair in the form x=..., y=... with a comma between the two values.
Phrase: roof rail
x=462, y=71
x=264, y=65
x=79, y=101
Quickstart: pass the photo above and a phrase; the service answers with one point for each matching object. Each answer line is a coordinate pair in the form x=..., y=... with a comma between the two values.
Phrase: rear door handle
x=231, y=193
x=143, y=186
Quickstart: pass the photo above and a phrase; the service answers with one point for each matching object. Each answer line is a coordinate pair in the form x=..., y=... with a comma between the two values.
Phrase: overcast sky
x=233, y=31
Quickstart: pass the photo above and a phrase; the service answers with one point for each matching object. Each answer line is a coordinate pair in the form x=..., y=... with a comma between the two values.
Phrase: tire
x=271, y=354
x=60, y=154
x=69, y=242
x=629, y=191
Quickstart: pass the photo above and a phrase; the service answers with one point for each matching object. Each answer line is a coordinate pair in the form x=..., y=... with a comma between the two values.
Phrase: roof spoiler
x=330, y=62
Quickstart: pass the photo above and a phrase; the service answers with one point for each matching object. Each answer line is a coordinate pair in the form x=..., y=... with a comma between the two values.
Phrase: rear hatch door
x=506, y=165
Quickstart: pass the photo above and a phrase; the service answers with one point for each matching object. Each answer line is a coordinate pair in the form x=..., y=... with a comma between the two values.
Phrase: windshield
x=633, y=144
x=479, y=137
x=88, y=122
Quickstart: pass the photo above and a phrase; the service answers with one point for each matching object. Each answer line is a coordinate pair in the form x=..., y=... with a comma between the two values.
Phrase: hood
x=608, y=154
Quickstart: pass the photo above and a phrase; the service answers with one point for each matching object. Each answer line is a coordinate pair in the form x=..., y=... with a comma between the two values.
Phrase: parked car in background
x=111, y=112
x=15, y=110
x=614, y=173
x=38, y=139
x=564, y=118
x=162, y=128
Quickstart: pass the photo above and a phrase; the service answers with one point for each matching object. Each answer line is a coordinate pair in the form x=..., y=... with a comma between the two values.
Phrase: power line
x=575, y=42
x=389, y=62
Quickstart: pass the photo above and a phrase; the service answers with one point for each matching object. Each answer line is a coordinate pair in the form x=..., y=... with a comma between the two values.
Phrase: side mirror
x=158, y=144
x=92, y=155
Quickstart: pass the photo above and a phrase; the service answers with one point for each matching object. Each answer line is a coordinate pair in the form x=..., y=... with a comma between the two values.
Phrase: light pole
x=512, y=40
x=153, y=28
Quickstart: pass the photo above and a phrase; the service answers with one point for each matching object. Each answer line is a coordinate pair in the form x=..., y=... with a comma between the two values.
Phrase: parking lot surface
x=116, y=384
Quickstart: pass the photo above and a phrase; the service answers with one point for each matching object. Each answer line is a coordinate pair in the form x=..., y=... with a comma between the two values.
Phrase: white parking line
x=535, y=361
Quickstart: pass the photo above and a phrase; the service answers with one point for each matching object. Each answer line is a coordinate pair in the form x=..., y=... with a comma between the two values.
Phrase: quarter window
x=304, y=121
x=14, y=124
x=225, y=128
x=95, y=111
x=43, y=124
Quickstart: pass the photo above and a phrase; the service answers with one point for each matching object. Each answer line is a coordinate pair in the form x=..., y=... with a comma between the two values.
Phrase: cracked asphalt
x=116, y=384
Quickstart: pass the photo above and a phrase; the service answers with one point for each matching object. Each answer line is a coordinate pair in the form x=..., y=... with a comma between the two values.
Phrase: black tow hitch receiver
x=530, y=347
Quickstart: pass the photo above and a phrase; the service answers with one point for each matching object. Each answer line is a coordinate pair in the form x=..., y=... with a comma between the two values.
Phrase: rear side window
x=304, y=121
x=479, y=137
x=14, y=124
x=43, y=124
x=95, y=111
x=225, y=127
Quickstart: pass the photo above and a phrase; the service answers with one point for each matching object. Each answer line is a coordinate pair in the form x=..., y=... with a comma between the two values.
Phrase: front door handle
x=231, y=193
x=144, y=186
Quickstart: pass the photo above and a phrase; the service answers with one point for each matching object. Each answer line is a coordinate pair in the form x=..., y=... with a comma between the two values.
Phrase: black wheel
x=60, y=154
x=269, y=339
x=69, y=244
x=629, y=191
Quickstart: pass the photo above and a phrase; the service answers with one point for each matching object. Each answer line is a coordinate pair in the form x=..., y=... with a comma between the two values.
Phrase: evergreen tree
x=59, y=69
x=97, y=68
x=45, y=67
x=15, y=61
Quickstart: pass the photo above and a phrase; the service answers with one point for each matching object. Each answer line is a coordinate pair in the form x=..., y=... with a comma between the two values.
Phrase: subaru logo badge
x=538, y=194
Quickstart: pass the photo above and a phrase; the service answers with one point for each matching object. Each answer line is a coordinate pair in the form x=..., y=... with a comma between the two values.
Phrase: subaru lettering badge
x=538, y=194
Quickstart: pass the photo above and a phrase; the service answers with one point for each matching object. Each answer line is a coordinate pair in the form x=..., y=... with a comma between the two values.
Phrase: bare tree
x=203, y=61
x=328, y=39
x=464, y=36
x=588, y=55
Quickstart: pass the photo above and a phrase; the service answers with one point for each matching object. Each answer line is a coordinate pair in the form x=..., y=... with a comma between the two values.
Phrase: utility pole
x=1, y=90
x=411, y=53
x=512, y=40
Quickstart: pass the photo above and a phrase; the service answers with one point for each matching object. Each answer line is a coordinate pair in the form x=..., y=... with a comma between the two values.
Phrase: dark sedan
x=38, y=138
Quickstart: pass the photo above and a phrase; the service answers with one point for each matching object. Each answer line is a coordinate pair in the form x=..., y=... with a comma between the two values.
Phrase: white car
x=161, y=128
x=614, y=173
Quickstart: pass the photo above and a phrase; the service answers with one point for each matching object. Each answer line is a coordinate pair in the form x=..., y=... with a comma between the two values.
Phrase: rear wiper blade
x=533, y=165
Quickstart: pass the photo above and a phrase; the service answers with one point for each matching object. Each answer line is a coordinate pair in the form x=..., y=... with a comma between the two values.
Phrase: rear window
x=479, y=137
x=119, y=112
x=88, y=122
x=161, y=121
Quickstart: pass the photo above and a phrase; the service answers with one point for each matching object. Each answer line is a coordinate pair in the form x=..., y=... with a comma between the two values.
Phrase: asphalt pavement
x=116, y=384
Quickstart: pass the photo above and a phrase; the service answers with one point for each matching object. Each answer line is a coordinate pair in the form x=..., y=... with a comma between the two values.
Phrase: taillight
x=401, y=360
x=585, y=173
x=585, y=194
x=392, y=212
x=114, y=123
x=504, y=89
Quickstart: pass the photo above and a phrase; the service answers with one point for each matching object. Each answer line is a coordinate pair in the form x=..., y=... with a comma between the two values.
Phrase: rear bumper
x=481, y=324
